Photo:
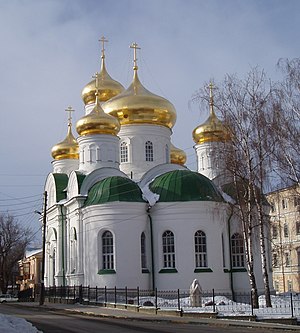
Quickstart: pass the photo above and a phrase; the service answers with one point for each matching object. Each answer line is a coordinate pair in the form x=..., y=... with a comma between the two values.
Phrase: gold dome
x=107, y=86
x=178, y=156
x=98, y=122
x=212, y=130
x=137, y=105
x=68, y=148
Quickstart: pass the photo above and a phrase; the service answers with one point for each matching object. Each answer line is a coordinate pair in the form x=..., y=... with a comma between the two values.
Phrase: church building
x=124, y=210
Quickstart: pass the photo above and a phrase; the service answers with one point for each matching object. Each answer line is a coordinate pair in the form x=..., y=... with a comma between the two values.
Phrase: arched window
x=237, y=250
x=149, y=151
x=200, y=249
x=168, y=249
x=73, y=250
x=143, y=251
x=107, y=250
x=123, y=152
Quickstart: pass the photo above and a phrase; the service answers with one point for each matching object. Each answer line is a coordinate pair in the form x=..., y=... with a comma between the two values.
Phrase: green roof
x=184, y=185
x=114, y=188
x=61, y=183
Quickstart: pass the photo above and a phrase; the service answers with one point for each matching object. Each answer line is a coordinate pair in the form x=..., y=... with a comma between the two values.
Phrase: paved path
x=106, y=312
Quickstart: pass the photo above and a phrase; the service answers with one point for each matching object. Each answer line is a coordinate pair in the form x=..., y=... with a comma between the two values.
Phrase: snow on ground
x=10, y=324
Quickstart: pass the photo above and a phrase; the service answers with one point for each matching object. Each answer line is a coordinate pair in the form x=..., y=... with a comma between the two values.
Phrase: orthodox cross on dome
x=96, y=77
x=135, y=47
x=69, y=110
x=102, y=40
x=211, y=97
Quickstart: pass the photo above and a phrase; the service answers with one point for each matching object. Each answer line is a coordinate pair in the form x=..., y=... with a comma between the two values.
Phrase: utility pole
x=42, y=292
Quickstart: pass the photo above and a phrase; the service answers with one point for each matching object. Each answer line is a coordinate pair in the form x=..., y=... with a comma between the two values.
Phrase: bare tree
x=287, y=108
x=13, y=240
x=246, y=106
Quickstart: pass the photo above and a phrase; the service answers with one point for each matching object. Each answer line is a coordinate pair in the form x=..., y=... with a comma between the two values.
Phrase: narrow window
x=73, y=250
x=296, y=201
x=298, y=227
x=275, y=260
x=124, y=152
x=284, y=204
x=107, y=250
x=274, y=232
x=53, y=266
x=237, y=250
x=143, y=251
x=287, y=259
x=167, y=154
x=298, y=257
x=200, y=249
x=168, y=249
x=149, y=151
x=286, y=230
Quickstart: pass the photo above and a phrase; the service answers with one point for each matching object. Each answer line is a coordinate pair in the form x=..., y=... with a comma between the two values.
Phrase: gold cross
x=103, y=40
x=96, y=76
x=135, y=47
x=69, y=110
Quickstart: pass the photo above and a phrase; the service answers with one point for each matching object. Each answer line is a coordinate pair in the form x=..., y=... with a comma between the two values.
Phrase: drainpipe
x=230, y=253
x=152, y=248
x=63, y=244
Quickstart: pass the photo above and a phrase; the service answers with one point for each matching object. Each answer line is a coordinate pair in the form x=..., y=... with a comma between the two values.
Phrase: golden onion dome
x=108, y=87
x=68, y=148
x=137, y=105
x=212, y=130
x=178, y=156
x=98, y=122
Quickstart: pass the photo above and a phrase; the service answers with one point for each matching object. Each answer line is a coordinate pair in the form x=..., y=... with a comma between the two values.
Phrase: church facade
x=124, y=210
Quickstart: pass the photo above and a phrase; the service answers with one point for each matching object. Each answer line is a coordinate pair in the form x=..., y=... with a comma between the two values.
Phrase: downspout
x=152, y=248
x=230, y=253
x=63, y=244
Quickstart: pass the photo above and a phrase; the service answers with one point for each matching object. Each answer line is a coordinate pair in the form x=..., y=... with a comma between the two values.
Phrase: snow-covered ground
x=10, y=324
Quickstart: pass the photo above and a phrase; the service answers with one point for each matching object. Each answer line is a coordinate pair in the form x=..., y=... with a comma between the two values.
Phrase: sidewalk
x=109, y=312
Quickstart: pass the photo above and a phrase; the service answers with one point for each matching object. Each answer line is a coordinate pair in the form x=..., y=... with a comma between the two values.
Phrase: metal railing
x=212, y=301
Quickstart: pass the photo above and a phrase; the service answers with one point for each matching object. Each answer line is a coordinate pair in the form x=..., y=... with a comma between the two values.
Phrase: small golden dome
x=97, y=121
x=68, y=148
x=212, y=130
x=107, y=87
x=178, y=156
x=137, y=105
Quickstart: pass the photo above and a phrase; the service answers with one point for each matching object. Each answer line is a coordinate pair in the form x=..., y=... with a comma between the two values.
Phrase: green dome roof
x=114, y=188
x=184, y=185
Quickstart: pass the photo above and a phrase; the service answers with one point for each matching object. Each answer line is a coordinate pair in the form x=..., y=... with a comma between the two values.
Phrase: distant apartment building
x=285, y=233
x=30, y=270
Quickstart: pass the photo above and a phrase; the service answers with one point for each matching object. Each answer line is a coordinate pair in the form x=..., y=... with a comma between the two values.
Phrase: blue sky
x=50, y=49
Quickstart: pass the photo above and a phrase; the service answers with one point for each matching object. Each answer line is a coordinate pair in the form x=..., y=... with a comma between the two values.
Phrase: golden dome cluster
x=68, y=148
x=98, y=122
x=212, y=130
x=137, y=105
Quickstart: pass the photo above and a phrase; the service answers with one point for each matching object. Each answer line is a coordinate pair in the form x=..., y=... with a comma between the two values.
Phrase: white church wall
x=136, y=136
x=126, y=221
x=184, y=219
x=65, y=166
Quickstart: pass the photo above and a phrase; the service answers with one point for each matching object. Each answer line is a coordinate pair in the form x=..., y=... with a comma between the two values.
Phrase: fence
x=214, y=301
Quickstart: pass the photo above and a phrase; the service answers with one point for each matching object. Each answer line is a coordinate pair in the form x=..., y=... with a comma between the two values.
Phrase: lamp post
x=42, y=291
